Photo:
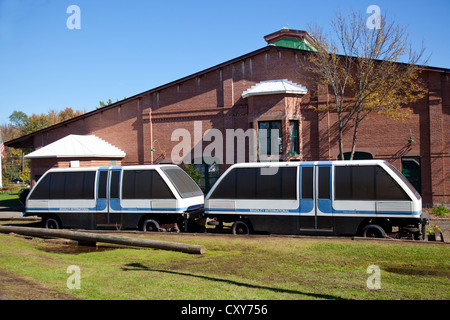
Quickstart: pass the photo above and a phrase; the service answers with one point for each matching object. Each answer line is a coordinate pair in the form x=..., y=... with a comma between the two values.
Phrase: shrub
x=431, y=229
x=193, y=172
x=440, y=211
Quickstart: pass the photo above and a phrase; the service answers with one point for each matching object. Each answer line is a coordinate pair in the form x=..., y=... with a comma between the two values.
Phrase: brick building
x=266, y=88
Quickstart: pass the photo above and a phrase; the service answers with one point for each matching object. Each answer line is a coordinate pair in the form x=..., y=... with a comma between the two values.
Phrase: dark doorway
x=209, y=173
x=411, y=170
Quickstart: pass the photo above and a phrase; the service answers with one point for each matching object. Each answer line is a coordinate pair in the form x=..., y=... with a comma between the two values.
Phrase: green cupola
x=294, y=39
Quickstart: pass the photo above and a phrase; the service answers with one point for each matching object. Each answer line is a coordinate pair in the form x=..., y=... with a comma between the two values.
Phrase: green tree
x=193, y=172
x=104, y=104
x=18, y=118
x=107, y=103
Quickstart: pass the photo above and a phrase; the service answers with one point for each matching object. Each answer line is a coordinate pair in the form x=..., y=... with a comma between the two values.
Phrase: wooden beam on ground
x=95, y=237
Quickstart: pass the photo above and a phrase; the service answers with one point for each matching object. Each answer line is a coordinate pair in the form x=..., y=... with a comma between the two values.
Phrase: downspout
x=151, y=134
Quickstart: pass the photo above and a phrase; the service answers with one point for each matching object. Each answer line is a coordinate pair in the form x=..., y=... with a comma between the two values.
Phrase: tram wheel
x=52, y=223
x=241, y=227
x=150, y=225
x=373, y=231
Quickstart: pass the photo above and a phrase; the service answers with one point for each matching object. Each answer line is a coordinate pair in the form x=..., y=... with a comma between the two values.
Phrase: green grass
x=238, y=268
x=10, y=198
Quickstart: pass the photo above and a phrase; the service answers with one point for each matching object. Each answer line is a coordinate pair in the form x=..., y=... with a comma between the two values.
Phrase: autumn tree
x=25, y=124
x=68, y=113
x=363, y=71
x=21, y=124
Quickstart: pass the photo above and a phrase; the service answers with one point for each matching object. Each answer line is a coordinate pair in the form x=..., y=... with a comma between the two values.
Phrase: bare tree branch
x=363, y=70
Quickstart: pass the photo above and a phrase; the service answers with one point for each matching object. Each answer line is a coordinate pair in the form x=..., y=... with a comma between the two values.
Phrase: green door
x=411, y=170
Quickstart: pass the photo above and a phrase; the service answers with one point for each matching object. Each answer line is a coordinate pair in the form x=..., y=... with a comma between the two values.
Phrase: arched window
x=358, y=156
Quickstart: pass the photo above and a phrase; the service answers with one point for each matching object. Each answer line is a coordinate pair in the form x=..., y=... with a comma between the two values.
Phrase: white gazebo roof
x=282, y=86
x=77, y=146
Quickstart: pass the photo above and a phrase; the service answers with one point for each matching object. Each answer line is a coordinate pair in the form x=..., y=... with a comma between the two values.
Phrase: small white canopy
x=77, y=146
x=282, y=86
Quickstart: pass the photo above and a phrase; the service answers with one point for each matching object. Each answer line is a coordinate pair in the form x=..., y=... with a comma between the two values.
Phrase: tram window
x=366, y=183
x=57, y=185
x=144, y=184
x=388, y=188
x=115, y=178
x=281, y=185
x=73, y=185
x=249, y=183
x=89, y=185
x=103, y=177
x=226, y=189
x=246, y=183
x=66, y=185
x=307, y=182
x=266, y=189
x=136, y=184
x=363, y=182
x=185, y=186
x=79, y=185
x=324, y=182
x=128, y=184
x=354, y=183
x=41, y=190
x=288, y=183
x=160, y=190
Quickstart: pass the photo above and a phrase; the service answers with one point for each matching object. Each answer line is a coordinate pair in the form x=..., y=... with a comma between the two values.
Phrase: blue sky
x=127, y=47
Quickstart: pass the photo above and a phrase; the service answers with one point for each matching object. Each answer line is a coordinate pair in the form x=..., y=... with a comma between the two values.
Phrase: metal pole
x=1, y=159
x=1, y=173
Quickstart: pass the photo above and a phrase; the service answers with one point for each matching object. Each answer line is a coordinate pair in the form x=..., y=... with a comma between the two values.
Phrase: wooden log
x=95, y=237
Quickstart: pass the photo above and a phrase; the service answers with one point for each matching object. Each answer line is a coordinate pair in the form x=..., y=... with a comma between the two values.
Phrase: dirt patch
x=71, y=247
x=418, y=271
x=14, y=287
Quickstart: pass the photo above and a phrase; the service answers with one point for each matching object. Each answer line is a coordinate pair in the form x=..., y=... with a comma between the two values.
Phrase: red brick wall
x=214, y=98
